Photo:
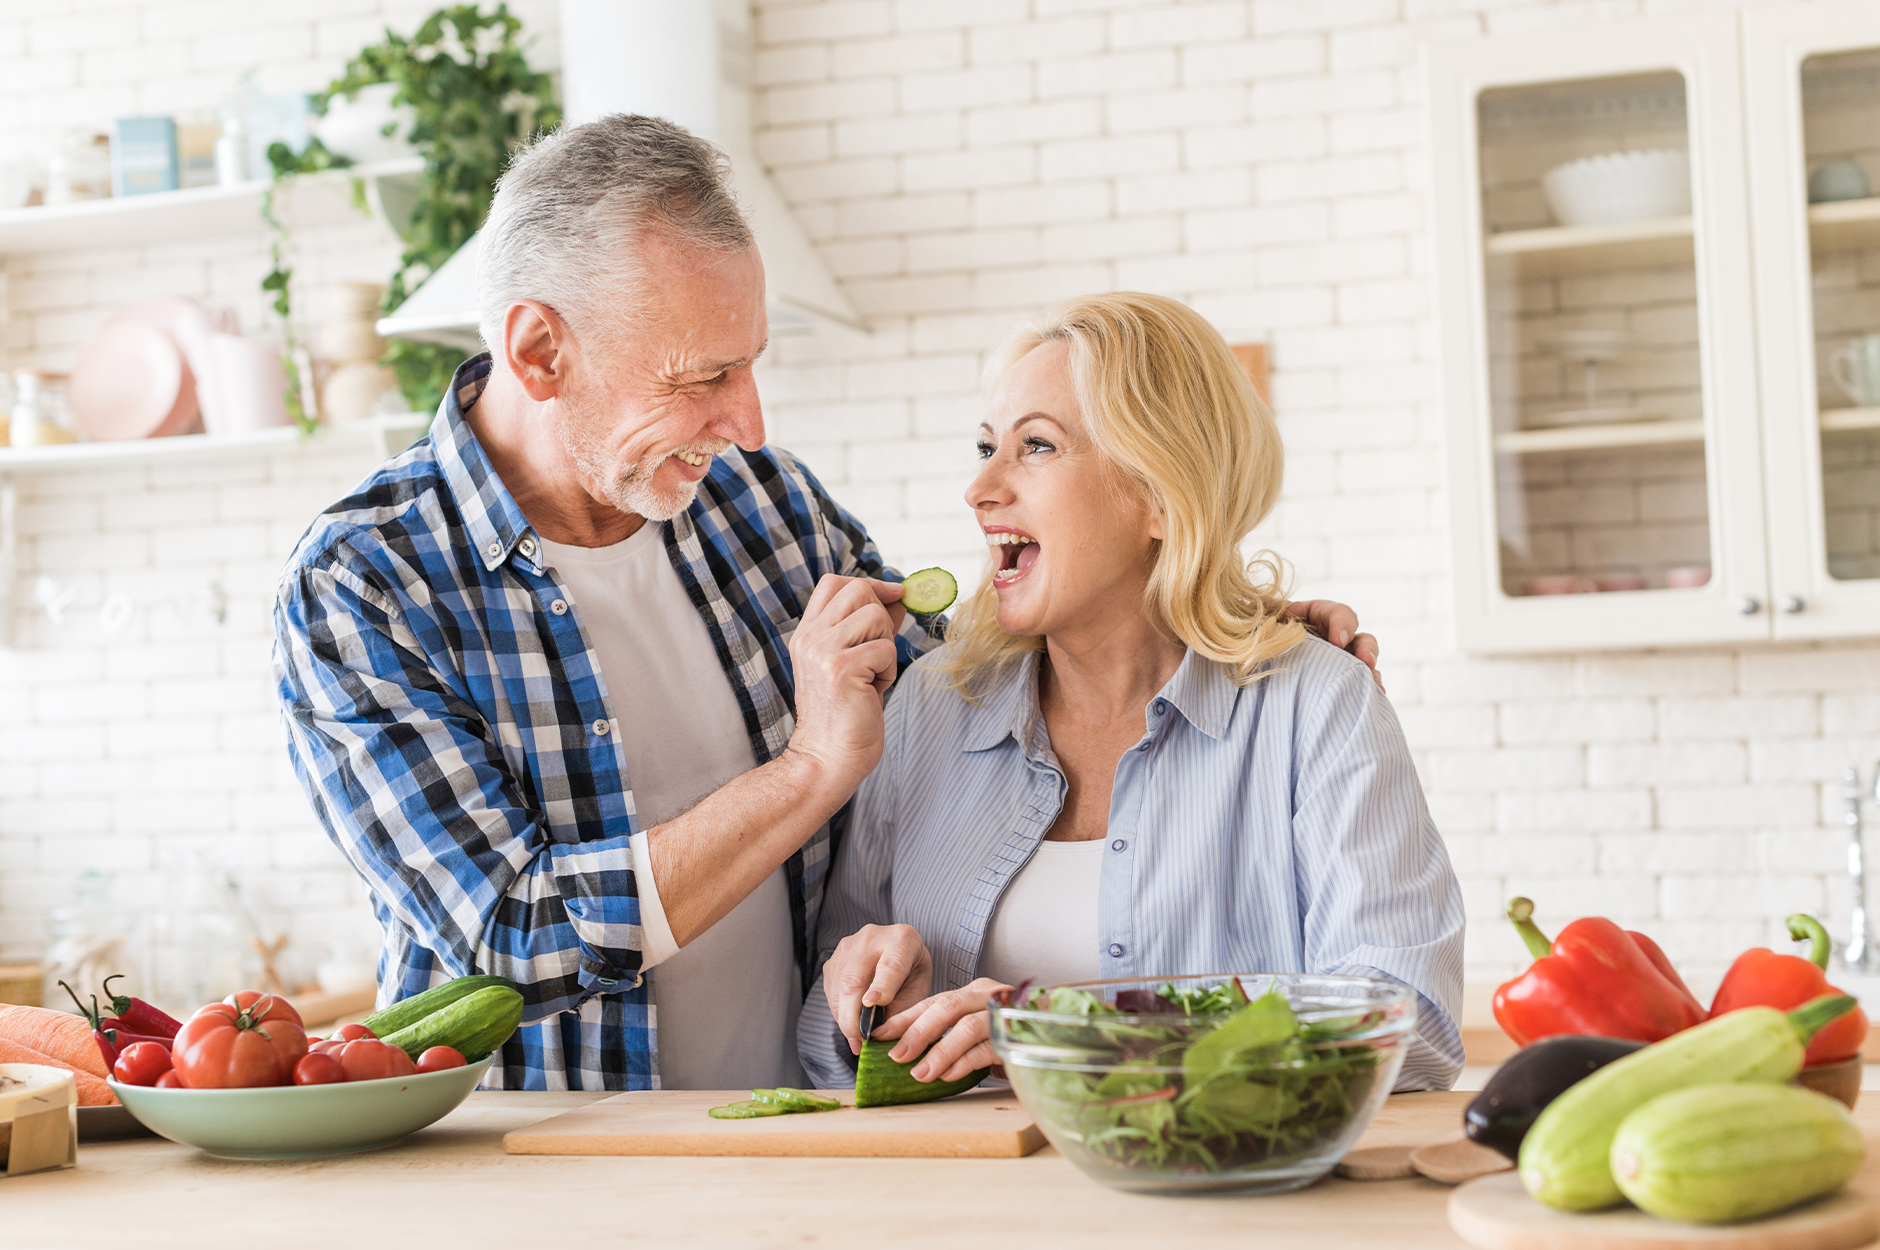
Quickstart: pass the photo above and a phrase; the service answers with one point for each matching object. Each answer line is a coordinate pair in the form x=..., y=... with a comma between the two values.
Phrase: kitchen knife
x=871, y=1019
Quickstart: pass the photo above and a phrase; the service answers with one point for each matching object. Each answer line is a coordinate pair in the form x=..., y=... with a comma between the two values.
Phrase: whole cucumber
x=472, y=1026
x=1564, y=1159
x=1716, y=1153
x=408, y=1011
x=882, y=1082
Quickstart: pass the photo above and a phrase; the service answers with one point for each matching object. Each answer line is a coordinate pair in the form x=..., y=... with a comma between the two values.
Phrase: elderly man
x=599, y=756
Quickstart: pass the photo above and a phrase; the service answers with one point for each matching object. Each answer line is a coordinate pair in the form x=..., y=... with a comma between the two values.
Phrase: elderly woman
x=1126, y=761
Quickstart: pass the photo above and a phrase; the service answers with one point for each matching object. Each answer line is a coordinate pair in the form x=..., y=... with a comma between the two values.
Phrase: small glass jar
x=41, y=413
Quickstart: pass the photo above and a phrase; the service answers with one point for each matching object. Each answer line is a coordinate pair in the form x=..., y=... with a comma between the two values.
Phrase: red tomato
x=279, y=1008
x=328, y=1047
x=141, y=1063
x=169, y=1080
x=317, y=1069
x=369, y=1060
x=234, y=1047
x=354, y=1032
x=438, y=1058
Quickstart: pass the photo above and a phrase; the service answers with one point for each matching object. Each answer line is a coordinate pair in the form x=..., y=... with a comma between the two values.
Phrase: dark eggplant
x=1537, y=1074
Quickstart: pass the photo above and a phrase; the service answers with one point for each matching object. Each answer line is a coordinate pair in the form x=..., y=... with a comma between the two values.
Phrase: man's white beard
x=634, y=491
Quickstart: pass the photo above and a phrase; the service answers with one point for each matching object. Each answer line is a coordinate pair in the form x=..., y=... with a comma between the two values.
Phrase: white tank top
x=1045, y=927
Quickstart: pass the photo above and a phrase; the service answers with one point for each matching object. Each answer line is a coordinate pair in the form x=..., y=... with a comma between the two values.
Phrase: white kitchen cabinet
x=1632, y=459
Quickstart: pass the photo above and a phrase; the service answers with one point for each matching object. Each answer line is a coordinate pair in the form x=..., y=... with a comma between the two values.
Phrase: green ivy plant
x=464, y=74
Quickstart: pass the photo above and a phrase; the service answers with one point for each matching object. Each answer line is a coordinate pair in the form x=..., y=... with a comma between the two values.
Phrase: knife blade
x=872, y=1018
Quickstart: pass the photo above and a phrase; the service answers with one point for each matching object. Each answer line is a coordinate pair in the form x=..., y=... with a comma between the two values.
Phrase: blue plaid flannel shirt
x=446, y=721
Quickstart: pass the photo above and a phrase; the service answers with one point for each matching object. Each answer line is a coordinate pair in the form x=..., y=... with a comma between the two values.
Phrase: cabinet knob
x=1792, y=604
x=1749, y=605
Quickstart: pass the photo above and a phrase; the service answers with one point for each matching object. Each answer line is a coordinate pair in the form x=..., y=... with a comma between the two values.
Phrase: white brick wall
x=959, y=164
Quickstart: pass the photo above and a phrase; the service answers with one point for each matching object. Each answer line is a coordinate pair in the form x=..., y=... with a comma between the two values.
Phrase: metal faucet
x=1858, y=954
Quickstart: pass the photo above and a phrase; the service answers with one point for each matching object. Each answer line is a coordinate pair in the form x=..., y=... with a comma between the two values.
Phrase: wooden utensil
x=1457, y=1160
x=987, y=1124
x=1495, y=1213
x=1836, y=1080
x=1377, y=1163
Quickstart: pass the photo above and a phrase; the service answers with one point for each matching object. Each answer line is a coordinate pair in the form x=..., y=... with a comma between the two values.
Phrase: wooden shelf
x=1598, y=437
x=1573, y=249
x=1844, y=224
x=324, y=198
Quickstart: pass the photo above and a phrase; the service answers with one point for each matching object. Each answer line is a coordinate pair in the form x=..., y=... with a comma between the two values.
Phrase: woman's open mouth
x=1016, y=552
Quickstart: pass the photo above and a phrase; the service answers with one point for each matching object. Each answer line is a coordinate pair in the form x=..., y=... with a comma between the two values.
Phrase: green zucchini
x=881, y=1082
x=1715, y=1153
x=929, y=591
x=1564, y=1159
x=409, y=1011
x=473, y=1026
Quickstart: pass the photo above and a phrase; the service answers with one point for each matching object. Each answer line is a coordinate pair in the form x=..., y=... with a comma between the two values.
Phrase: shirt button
x=1118, y=845
x=526, y=546
x=494, y=550
x=559, y=607
x=1116, y=950
x=1161, y=705
x=600, y=728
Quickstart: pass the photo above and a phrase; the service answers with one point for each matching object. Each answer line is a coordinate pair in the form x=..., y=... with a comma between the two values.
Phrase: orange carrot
x=92, y=1092
x=59, y=1034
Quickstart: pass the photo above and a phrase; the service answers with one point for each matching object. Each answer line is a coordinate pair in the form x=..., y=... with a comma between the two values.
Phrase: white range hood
x=687, y=61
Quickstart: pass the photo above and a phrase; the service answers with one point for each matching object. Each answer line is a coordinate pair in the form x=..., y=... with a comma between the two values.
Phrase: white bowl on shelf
x=1619, y=187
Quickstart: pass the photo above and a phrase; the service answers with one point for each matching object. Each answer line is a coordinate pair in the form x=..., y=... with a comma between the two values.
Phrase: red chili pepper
x=106, y=1039
x=125, y=1038
x=1762, y=978
x=139, y=1016
x=1595, y=978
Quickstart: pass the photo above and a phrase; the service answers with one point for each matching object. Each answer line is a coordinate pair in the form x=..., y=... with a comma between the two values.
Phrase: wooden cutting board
x=981, y=1124
x=1495, y=1213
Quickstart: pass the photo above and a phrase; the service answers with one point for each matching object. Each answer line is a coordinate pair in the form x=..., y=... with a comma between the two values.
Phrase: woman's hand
x=955, y=1024
x=876, y=964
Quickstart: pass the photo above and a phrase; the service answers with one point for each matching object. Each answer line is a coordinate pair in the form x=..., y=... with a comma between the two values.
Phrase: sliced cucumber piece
x=929, y=591
x=750, y=1109
x=795, y=1099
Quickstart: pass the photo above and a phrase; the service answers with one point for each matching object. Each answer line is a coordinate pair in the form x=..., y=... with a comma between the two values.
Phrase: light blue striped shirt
x=1276, y=827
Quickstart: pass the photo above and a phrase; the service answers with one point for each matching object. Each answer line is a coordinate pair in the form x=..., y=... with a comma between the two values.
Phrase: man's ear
x=536, y=347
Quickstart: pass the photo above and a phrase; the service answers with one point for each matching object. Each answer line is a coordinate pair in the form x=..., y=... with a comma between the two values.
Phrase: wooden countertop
x=452, y=1186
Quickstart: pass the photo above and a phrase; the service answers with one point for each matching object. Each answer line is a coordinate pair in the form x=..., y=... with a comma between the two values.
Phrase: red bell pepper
x=1762, y=978
x=1595, y=978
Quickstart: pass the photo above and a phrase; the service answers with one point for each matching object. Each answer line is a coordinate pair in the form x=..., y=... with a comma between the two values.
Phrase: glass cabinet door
x=1592, y=236
x=1595, y=362
x=1814, y=103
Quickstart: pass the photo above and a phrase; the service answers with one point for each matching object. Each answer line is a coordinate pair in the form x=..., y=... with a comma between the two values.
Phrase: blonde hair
x=1171, y=414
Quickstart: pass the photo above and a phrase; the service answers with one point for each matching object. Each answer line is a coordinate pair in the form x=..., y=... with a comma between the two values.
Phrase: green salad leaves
x=1200, y=1080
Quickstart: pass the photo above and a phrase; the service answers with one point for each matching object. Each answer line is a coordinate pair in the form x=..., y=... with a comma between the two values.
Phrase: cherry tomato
x=317, y=1069
x=169, y=1080
x=226, y=1046
x=438, y=1058
x=279, y=1008
x=354, y=1032
x=370, y=1060
x=141, y=1063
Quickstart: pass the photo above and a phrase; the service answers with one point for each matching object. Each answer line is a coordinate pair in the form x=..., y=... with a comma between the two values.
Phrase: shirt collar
x=491, y=518
x=1009, y=708
x=1201, y=690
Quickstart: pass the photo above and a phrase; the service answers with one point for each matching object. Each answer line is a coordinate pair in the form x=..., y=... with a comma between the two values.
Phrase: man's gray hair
x=570, y=211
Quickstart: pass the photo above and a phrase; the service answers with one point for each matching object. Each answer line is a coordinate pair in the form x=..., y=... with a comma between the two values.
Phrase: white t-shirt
x=1045, y=927
x=725, y=1006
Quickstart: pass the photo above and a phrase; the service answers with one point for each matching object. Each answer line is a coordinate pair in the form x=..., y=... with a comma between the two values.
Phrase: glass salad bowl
x=1256, y=1083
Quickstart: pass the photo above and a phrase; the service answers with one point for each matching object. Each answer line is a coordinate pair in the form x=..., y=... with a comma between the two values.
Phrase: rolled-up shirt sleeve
x=414, y=786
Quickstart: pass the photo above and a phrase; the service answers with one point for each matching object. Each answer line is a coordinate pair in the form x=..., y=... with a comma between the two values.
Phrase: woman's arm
x=1378, y=892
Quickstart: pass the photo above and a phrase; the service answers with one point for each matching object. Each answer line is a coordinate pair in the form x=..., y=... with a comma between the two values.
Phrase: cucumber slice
x=795, y=1099
x=750, y=1109
x=929, y=591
